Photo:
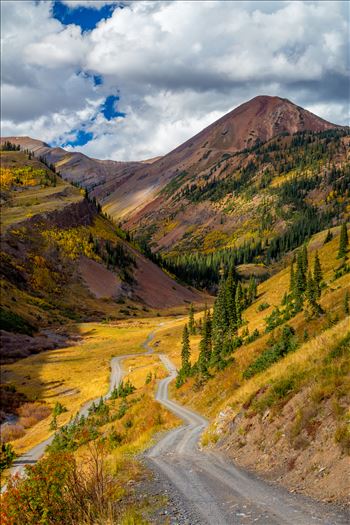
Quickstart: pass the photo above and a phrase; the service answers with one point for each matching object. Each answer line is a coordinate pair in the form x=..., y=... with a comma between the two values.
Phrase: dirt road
x=209, y=489
x=213, y=490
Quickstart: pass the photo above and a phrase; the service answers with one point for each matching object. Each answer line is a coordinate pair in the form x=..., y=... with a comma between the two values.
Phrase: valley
x=181, y=322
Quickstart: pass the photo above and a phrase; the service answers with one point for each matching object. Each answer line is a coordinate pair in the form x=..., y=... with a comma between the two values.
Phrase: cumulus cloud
x=176, y=66
x=90, y=4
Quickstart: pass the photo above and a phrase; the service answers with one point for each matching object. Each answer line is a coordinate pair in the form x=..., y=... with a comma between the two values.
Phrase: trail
x=210, y=489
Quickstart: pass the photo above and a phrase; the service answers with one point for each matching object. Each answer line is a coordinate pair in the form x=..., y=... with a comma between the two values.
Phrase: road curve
x=211, y=488
x=35, y=453
x=215, y=491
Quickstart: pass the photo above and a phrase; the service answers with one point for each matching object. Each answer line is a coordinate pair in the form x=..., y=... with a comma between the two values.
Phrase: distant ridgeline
x=301, y=184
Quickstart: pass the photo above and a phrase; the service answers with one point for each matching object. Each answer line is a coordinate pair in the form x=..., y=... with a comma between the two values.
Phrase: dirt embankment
x=100, y=281
x=295, y=447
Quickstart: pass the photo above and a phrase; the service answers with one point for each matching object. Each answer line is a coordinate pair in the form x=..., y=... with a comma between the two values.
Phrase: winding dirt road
x=210, y=489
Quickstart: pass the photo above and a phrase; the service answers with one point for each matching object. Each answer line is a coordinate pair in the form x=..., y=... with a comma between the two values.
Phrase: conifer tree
x=305, y=261
x=346, y=302
x=252, y=289
x=328, y=237
x=318, y=276
x=311, y=295
x=191, y=323
x=300, y=282
x=239, y=303
x=230, y=301
x=292, y=279
x=205, y=344
x=343, y=242
x=185, y=352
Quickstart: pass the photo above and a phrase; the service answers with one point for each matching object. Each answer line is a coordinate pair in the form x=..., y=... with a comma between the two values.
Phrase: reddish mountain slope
x=260, y=119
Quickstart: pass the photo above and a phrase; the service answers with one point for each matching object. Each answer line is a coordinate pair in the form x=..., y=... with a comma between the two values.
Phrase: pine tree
x=305, y=261
x=252, y=289
x=318, y=276
x=230, y=301
x=346, y=303
x=300, y=282
x=185, y=352
x=328, y=237
x=311, y=295
x=343, y=242
x=239, y=303
x=292, y=279
x=205, y=345
x=191, y=323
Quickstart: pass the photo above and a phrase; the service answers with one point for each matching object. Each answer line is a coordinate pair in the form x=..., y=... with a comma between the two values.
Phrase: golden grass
x=39, y=200
x=75, y=374
x=216, y=393
x=307, y=356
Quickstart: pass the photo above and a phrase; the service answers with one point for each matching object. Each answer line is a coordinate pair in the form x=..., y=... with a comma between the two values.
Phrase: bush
x=58, y=491
x=122, y=390
x=342, y=437
x=12, y=432
x=7, y=455
x=12, y=322
x=285, y=344
x=37, y=411
x=262, y=307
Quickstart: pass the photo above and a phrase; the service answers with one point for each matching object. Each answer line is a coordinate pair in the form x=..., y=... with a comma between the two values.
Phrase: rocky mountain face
x=222, y=188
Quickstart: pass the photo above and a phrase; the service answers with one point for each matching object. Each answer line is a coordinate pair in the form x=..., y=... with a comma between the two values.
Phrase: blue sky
x=133, y=80
x=86, y=18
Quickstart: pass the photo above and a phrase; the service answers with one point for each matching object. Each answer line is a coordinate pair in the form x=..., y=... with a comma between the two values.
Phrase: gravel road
x=213, y=490
x=205, y=488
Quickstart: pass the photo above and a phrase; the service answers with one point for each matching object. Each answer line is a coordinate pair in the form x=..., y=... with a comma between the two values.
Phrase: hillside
x=63, y=262
x=276, y=387
x=247, y=189
x=250, y=124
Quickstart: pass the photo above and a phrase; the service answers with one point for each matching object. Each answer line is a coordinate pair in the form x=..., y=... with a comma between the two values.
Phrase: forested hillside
x=62, y=261
x=271, y=364
x=251, y=207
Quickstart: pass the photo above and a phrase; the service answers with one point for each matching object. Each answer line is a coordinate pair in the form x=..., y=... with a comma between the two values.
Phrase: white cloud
x=176, y=65
x=74, y=4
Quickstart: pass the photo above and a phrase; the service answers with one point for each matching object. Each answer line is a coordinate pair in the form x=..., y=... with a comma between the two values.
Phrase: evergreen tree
x=343, y=242
x=346, y=303
x=328, y=237
x=252, y=290
x=318, y=276
x=292, y=279
x=230, y=319
x=300, y=281
x=205, y=345
x=185, y=352
x=191, y=323
x=311, y=295
x=239, y=303
x=305, y=261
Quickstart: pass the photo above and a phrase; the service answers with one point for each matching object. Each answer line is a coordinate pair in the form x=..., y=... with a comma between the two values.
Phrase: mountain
x=258, y=120
x=62, y=261
x=257, y=182
x=77, y=167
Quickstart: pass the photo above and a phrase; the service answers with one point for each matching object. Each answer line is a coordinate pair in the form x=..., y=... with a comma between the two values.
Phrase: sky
x=131, y=80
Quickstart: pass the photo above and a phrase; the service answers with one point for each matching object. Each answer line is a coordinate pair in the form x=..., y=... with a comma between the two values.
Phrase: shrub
x=58, y=491
x=342, y=437
x=37, y=411
x=122, y=390
x=7, y=455
x=12, y=322
x=11, y=432
x=262, y=307
x=285, y=344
